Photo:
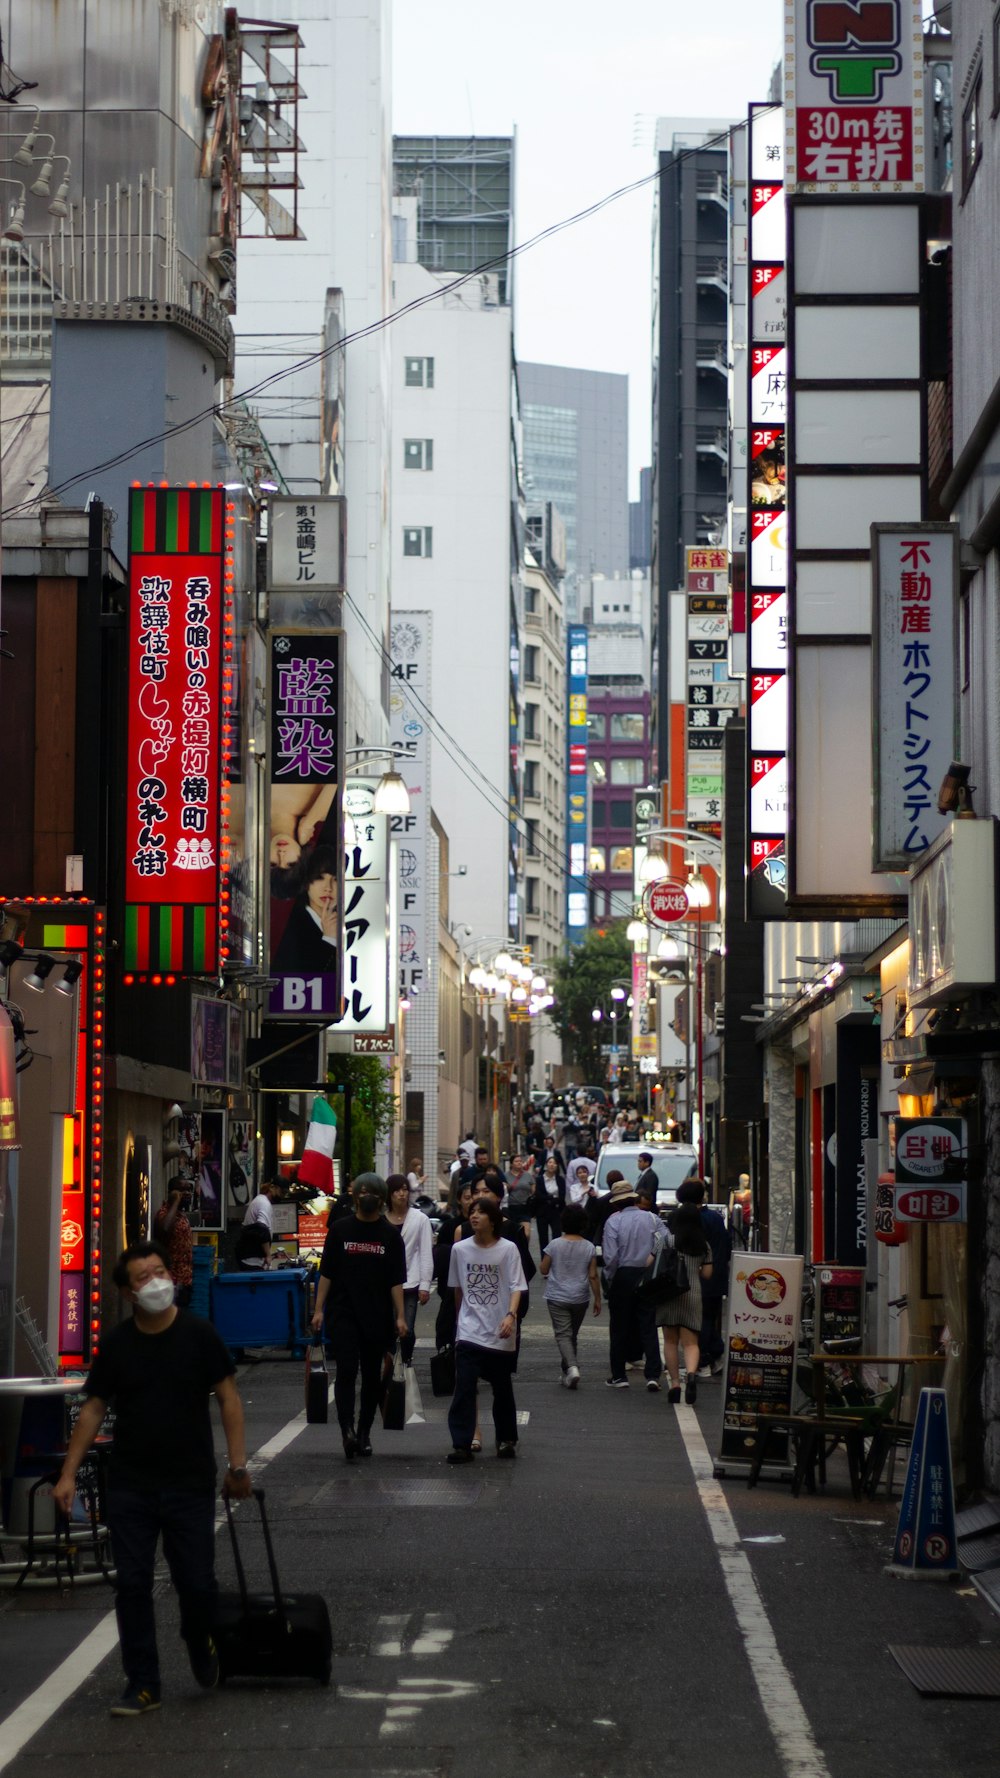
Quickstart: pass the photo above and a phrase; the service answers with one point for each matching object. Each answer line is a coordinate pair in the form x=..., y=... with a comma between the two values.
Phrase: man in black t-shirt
x=158, y=1371
x=360, y=1292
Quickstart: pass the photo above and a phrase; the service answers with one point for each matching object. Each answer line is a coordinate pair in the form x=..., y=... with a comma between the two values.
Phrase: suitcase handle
x=258, y=1495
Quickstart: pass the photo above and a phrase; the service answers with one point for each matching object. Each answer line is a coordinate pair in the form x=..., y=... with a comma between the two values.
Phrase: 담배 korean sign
x=174, y=840
x=306, y=847
x=765, y=1291
x=915, y=592
x=853, y=96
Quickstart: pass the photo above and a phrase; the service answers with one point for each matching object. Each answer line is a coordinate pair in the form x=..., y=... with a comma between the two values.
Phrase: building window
x=599, y=813
x=419, y=373
x=621, y=859
x=531, y=722
x=628, y=725
x=531, y=895
x=972, y=131
x=418, y=453
x=598, y=859
x=531, y=777
x=598, y=770
x=620, y=815
x=417, y=540
x=531, y=837
x=531, y=664
x=531, y=600
x=597, y=727
x=628, y=771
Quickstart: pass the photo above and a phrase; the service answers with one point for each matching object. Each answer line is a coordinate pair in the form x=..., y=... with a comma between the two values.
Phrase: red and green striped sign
x=175, y=827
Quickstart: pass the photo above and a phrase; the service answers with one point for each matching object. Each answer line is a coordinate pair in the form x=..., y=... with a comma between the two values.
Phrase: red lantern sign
x=666, y=902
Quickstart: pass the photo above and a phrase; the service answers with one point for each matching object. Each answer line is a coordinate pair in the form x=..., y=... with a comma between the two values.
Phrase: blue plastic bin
x=202, y=1267
x=261, y=1308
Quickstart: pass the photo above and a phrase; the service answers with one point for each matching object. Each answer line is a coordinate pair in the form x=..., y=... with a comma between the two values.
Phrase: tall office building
x=691, y=369
x=576, y=455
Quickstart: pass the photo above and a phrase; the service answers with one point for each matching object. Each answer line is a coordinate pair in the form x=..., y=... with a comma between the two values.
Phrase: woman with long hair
x=680, y=1316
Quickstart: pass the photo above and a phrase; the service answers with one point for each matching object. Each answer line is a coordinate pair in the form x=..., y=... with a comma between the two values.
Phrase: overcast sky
x=582, y=81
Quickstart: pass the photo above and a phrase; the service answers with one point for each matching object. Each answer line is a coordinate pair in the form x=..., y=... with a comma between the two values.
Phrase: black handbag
x=668, y=1277
x=443, y=1371
x=394, y=1393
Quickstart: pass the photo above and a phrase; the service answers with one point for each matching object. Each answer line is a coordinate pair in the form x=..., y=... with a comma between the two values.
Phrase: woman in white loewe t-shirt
x=488, y=1279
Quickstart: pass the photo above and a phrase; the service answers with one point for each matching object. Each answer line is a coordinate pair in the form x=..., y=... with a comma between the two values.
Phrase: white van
x=673, y=1162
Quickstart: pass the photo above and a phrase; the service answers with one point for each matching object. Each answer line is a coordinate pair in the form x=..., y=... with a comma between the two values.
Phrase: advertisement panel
x=577, y=896
x=305, y=807
x=410, y=692
x=179, y=729
x=712, y=697
x=914, y=696
x=366, y=904
x=766, y=498
x=10, y=1134
x=854, y=104
x=765, y=1292
x=305, y=543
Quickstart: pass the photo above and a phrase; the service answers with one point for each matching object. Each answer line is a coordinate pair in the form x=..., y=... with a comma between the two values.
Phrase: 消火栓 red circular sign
x=666, y=902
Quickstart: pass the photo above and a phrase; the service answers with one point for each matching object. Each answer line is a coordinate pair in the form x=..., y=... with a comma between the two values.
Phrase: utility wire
x=217, y=410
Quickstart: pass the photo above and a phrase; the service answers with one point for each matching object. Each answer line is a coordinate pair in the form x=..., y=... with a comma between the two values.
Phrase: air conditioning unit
x=953, y=916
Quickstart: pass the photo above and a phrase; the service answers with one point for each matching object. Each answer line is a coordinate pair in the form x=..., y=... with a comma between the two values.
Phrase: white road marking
x=430, y=1636
x=787, y=1720
x=17, y=1729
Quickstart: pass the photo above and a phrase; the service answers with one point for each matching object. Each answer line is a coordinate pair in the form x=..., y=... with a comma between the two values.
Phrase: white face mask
x=155, y=1295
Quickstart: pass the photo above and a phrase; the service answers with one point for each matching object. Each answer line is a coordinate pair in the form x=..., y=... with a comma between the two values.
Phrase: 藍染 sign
x=915, y=599
x=306, y=836
x=854, y=105
x=305, y=544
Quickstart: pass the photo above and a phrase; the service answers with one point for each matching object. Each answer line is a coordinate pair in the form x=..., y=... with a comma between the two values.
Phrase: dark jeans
x=710, y=1340
x=411, y=1303
x=495, y=1368
x=351, y=1353
x=548, y=1216
x=186, y=1521
x=633, y=1323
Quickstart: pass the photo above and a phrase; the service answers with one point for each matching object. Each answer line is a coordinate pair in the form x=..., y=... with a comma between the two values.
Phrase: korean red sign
x=173, y=822
x=931, y=1151
x=914, y=706
x=854, y=103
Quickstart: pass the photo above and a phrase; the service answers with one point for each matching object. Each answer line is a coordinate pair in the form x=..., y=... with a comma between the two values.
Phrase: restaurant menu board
x=765, y=1293
x=840, y=1308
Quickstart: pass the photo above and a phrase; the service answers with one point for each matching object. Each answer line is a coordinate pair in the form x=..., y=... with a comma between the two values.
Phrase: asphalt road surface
x=600, y=1606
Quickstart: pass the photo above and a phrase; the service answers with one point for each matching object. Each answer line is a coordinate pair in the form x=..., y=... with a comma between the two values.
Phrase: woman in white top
x=415, y=1229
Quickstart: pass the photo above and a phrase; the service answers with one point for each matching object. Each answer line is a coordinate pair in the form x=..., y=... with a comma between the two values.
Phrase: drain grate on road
x=443, y=1491
x=950, y=1672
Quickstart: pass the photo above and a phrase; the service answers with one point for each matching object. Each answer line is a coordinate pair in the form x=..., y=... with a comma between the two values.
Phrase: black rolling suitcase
x=271, y=1635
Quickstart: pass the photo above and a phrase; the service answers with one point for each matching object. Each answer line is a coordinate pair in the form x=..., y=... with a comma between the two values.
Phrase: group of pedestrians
x=159, y=1367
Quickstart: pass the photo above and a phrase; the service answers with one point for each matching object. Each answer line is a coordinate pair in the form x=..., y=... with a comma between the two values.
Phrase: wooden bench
x=809, y=1434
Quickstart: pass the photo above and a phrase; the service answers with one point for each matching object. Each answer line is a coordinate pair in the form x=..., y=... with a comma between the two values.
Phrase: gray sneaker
x=136, y=1700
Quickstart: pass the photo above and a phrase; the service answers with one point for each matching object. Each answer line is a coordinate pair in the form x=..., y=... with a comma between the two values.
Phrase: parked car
x=673, y=1162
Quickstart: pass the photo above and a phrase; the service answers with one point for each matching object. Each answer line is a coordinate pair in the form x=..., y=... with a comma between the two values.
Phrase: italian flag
x=316, y=1165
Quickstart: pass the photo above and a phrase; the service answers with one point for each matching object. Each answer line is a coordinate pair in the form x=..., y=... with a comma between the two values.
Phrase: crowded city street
x=600, y=1606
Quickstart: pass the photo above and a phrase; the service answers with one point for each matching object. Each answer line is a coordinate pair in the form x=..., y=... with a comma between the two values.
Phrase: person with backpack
x=680, y=1315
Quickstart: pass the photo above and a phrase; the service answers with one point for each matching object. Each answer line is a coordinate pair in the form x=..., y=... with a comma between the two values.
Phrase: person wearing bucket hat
x=629, y=1242
x=360, y=1292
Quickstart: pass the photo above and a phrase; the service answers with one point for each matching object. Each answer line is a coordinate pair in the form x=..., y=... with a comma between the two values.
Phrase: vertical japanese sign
x=306, y=845
x=577, y=897
x=767, y=556
x=854, y=106
x=914, y=694
x=366, y=905
x=10, y=1133
x=712, y=696
x=409, y=697
x=179, y=730
x=305, y=544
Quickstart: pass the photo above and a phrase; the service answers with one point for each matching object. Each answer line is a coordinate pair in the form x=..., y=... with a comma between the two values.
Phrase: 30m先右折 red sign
x=177, y=739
